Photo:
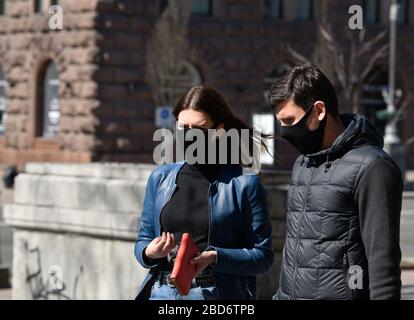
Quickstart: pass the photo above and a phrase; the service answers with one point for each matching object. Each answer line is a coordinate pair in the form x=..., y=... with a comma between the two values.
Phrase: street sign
x=164, y=117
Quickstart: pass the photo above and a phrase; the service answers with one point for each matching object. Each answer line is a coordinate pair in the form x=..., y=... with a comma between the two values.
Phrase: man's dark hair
x=305, y=84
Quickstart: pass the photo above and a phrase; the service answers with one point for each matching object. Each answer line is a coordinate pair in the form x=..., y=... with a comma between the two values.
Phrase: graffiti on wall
x=51, y=287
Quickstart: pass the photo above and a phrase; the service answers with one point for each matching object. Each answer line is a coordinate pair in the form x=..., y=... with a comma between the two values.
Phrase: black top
x=188, y=209
x=379, y=197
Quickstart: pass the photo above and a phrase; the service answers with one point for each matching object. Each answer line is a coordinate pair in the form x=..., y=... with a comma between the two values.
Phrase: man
x=344, y=200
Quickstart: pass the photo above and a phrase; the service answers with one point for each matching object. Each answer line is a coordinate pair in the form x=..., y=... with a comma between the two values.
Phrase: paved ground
x=5, y=294
x=6, y=236
x=6, y=248
x=407, y=226
x=407, y=278
x=5, y=253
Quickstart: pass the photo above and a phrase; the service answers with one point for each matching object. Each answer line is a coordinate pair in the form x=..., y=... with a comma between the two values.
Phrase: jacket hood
x=358, y=132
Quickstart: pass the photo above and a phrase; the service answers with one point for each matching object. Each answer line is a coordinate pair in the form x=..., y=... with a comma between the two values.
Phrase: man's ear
x=320, y=108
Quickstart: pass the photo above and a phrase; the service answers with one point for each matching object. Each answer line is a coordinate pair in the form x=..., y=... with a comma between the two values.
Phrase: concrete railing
x=79, y=222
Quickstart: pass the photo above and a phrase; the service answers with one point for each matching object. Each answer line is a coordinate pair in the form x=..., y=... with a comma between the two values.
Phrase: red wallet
x=183, y=271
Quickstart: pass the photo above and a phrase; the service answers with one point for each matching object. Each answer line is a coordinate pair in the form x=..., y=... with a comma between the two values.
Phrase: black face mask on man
x=301, y=137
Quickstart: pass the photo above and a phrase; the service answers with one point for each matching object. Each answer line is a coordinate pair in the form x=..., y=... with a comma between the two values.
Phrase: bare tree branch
x=327, y=36
x=379, y=54
x=361, y=37
x=166, y=50
x=409, y=141
x=402, y=108
x=370, y=44
x=297, y=56
x=348, y=58
x=340, y=70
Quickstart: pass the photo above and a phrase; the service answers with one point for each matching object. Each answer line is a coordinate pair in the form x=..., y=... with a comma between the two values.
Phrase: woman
x=224, y=210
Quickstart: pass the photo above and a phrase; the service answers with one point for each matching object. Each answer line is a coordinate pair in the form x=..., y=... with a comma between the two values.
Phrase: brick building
x=79, y=94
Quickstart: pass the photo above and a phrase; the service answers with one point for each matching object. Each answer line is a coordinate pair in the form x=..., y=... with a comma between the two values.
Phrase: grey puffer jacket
x=332, y=223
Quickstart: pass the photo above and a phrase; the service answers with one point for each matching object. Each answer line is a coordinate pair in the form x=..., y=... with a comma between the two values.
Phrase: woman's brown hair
x=209, y=101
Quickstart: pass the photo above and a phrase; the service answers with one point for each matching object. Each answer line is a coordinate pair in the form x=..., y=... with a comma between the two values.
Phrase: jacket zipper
x=209, y=230
x=209, y=215
x=165, y=203
x=298, y=237
x=345, y=269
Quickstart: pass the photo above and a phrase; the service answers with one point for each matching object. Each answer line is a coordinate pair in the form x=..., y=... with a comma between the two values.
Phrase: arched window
x=49, y=110
x=2, y=101
x=182, y=79
x=372, y=98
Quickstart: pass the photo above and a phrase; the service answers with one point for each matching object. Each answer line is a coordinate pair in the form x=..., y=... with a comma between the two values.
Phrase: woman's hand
x=203, y=260
x=161, y=246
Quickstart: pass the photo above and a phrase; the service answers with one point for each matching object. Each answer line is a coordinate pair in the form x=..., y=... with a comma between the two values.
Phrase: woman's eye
x=288, y=122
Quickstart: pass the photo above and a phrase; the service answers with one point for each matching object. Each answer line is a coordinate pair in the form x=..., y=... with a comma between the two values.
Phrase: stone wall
x=82, y=220
x=26, y=45
x=107, y=110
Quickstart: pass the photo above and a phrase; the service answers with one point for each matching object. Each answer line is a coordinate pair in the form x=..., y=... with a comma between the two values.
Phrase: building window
x=273, y=9
x=185, y=77
x=372, y=11
x=304, y=9
x=2, y=7
x=2, y=102
x=404, y=12
x=49, y=110
x=198, y=7
x=38, y=6
x=201, y=7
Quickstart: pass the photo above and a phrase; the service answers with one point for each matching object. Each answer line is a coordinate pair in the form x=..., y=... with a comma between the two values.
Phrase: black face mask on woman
x=207, y=143
x=301, y=137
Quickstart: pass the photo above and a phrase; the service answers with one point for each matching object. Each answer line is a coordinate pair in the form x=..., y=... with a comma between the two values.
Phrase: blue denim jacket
x=240, y=228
